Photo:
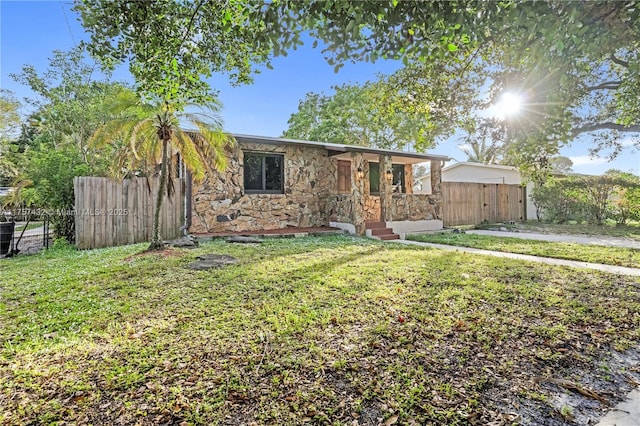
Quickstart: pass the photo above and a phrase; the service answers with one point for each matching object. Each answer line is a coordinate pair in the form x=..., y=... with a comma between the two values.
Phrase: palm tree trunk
x=156, y=243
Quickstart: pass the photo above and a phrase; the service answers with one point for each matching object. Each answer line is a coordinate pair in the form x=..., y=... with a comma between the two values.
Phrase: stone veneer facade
x=403, y=207
x=310, y=198
x=220, y=204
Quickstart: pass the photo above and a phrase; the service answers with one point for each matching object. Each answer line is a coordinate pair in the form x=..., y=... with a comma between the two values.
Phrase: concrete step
x=381, y=231
x=387, y=237
x=372, y=224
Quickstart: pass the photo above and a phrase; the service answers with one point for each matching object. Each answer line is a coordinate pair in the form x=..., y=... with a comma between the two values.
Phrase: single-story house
x=482, y=173
x=275, y=183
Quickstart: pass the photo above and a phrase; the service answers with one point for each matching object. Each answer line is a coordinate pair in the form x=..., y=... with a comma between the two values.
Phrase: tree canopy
x=361, y=115
x=69, y=103
x=575, y=63
x=577, y=74
x=575, y=66
x=172, y=46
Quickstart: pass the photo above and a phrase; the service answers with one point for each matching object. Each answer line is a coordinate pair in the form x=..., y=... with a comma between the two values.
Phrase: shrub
x=593, y=199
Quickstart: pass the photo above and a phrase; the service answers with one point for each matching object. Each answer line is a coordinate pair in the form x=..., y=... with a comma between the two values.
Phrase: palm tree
x=481, y=152
x=144, y=133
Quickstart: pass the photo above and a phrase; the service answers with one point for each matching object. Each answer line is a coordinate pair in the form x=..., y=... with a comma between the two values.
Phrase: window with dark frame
x=397, y=182
x=398, y=178
x=263, y=173
x=374, y=178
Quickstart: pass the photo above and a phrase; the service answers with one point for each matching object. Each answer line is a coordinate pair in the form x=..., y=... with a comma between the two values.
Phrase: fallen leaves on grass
x=576, y=387
x=307, y=331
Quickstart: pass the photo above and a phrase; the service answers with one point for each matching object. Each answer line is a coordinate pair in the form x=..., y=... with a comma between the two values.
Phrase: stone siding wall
x=403, y=207
x=416, y=207
x=340, y=208
x=220, y=204
x=372, y=208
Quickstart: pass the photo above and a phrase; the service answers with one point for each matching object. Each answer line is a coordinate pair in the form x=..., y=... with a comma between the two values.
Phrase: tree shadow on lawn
x=315, y=336
x=551, y=354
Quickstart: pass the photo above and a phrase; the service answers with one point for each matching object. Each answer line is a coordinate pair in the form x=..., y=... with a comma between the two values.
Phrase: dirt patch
x=212, y=261
x=609, y=379
x=165, y=253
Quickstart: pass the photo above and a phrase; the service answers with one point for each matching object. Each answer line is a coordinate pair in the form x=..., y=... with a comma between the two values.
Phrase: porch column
x=359, y=177
x=436, y=177
x=408, y=178
x=385, y=188
x=436, y=188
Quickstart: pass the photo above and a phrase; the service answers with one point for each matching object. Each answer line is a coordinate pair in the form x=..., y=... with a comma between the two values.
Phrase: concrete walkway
x=627, y=412
x=621, y=270
x=562, y=238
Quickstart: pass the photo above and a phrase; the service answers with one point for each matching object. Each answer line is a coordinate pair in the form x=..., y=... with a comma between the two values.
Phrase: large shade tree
x=48, y=148
x=359, y=115
x=68, y=104
x=575, y=62
x=170, y=46
x=153, y=133
x=580, y=68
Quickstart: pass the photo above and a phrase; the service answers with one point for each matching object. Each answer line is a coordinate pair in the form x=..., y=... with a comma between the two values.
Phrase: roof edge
x=482, y=165
x=336, y=147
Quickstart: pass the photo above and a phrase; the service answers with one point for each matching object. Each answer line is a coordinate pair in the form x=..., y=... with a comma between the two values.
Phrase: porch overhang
x=375, y=157
x=341, y=151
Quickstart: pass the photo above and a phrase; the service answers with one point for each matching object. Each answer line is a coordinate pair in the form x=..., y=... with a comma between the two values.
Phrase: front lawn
x=580, y=252
x=332, y=330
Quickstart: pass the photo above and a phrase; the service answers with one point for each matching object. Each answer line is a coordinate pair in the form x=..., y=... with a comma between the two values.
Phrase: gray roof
x=337, y=149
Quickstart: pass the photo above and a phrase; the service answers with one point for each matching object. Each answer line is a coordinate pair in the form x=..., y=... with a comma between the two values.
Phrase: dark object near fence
x=6, y=235
x=24, y=232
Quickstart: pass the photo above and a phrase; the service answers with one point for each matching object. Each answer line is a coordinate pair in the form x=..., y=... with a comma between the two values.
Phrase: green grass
x=32, y=225
x=631, y=230
x=322, y=330
x=580, y=252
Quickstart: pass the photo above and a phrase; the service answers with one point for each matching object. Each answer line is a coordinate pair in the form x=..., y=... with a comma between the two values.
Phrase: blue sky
x=31, y=30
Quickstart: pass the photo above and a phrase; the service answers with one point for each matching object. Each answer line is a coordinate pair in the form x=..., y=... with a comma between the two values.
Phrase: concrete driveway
x=561, y=238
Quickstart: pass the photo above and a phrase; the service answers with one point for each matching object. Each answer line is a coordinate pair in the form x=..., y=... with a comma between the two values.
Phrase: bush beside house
x=593, y=199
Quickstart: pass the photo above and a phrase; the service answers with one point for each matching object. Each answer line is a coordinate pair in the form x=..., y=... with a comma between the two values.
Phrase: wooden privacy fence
x=465, y=203
x=111, y=213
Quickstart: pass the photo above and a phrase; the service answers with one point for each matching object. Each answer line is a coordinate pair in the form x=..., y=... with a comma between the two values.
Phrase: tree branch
x=619, y=61
x=607, y=85
x=189, y=25
x=605, y=126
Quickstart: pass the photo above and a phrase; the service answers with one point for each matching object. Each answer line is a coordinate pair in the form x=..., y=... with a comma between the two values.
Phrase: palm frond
x=128, y=103
x=134, y=131
x=210, y=143
x=184, y=143
x=142, y=138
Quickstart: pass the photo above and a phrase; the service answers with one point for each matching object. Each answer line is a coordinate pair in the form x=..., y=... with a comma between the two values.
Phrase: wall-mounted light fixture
x=389, y=175
x=360, y=173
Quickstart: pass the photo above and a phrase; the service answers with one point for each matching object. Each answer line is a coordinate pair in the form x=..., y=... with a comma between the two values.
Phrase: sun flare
x=509, y=104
